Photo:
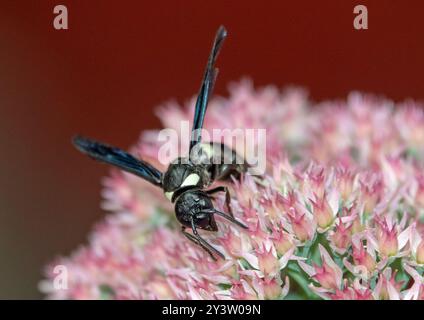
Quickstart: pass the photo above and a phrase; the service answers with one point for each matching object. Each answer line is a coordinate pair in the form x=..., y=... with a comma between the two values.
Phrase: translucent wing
x=206, y=88
x=118, y=158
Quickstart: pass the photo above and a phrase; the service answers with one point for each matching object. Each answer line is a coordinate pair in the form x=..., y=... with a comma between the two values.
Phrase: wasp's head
x=196, y=205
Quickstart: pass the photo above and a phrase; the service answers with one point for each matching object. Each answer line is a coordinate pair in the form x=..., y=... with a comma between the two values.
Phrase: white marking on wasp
x=191, y=180
x=169, y=195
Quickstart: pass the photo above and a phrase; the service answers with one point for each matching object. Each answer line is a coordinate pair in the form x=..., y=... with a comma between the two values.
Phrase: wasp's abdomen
x=224, y=162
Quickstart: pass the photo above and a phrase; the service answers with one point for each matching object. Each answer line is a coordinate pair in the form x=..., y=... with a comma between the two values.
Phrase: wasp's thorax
x=207, y=162
x=182, y=174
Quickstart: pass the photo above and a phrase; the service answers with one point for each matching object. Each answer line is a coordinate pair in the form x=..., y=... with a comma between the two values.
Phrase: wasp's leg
x=227, y=197
x=197, y=239
x=194, y=239
x=203, y=242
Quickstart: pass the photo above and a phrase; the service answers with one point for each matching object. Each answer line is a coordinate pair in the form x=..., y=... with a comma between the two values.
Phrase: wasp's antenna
x=229, y=218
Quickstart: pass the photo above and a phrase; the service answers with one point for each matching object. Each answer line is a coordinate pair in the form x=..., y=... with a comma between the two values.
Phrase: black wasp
x=185, y=180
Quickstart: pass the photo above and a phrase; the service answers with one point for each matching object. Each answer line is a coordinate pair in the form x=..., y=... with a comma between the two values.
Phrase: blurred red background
x=119, y=59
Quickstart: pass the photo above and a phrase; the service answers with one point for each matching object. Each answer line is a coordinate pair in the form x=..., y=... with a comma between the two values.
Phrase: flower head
x=323, y=212
x=338, y=213
x=387, y=238
x=302, y=226
x=341, y=237
x=328, y=275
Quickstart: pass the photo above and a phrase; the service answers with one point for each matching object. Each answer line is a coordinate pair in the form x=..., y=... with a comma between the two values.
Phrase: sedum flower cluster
x=339, y=213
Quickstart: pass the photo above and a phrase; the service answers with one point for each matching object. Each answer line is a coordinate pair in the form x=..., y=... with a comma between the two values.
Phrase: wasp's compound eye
x=204, y=221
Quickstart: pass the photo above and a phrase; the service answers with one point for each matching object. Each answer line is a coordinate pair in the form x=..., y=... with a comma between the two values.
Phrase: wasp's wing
x=118, y=158
x=206, y=88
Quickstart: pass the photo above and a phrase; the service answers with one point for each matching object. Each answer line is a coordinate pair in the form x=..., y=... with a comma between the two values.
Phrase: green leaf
x=302, y=282
x=246, y=265
x=224, y=286
x=106, y=292
x=412, y=153
x=160, y=218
